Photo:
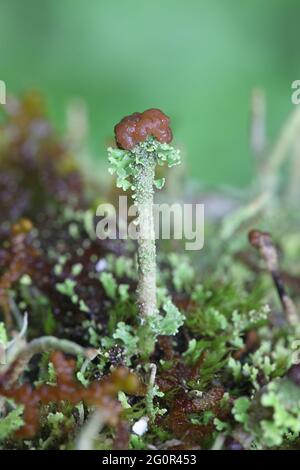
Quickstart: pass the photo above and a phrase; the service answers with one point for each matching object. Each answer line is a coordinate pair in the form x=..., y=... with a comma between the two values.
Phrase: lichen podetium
x=145, y=137
x=144, y=184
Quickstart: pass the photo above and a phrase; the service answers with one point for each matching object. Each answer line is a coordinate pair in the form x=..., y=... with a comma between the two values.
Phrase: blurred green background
x=197, y=60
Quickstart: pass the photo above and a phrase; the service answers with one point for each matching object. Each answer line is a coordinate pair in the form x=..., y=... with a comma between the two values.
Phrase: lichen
x=216, y=365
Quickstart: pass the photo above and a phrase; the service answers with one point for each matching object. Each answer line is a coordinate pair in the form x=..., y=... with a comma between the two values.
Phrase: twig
x=258, y=123
x=286, y=138
x=46, y=343
x=152, y=378
x=219, y=442
x=262, y=241
x=233, y=222
x=269, y=171
x=294, y=189
x=91, y=429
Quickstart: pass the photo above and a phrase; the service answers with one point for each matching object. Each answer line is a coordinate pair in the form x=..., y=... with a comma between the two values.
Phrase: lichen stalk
x=143, y=143
x=144, y=192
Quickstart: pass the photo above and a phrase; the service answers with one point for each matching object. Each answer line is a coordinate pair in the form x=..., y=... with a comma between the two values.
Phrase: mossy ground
x=227, y=379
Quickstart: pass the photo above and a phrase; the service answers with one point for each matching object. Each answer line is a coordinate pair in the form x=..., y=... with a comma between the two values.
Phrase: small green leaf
x=76, y=269
x=159, y=184
x=66, y=287
x=240, y=410
x=125, y=334
x=109, y=284
x=3, y=334
x=11, y=423
x=82, y=379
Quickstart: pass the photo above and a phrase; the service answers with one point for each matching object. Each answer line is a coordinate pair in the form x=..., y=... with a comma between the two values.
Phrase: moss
x=221, y=348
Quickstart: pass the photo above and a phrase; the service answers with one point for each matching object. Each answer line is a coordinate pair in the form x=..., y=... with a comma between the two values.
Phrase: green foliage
x=210, y=356
x=183, y=273
x=225, y=311
x=123, y=310
x=234, y=344
x=109, y=284
x=124, y=163
x=121, y=164
x=137, y=442
x=153, y=410
x=12, y=422
x=140, y=340
x=121, y=266
x=270, y=360
x=129, y=340
x=240, y=410
x=76, y=269
x=68, y=288
x=242, y=323
x=169, y=323
x=211, y=322
x=222, y=319
x=80, y=376
x=112, y=290
x=273, y=415
x=92, y=333
x=123, y=400
x=204, y=418
x=49, y=321
x=25, y=280
x=55, y=421
x=283, y=398
x=123, y=292
x=51, y=374
x=159, y=184
x=3, y=334
x=221, y=426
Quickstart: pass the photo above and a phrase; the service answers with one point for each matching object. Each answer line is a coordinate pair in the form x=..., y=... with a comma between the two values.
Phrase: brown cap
x=138, y=126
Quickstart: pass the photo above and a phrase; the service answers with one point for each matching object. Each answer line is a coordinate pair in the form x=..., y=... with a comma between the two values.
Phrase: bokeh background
x=197, y=60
